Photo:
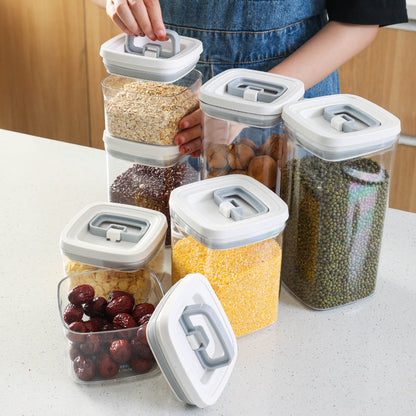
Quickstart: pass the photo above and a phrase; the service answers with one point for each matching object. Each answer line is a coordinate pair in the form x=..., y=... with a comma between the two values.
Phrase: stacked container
x=152, y=87
x=242, y=123
x=230, y=230
x=336, y=184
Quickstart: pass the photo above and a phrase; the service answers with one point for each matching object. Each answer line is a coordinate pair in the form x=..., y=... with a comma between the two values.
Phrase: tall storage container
x=242, y=123
x=336, y=184
x=229, y=229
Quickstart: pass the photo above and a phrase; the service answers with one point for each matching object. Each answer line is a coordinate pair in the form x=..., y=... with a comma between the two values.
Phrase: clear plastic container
x=145, y=175
x=242, y=123
x=148, y=111
x=115, y=236
x=97, y=350
x=336, y=183
x=229, y=229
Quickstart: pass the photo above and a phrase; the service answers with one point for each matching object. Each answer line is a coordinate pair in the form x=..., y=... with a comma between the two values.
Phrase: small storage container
x=152, y=86
x=230, y=230
x=115, y=236
x=145, y=175
x=187, y=336
x=336, y=184
x=242, y=123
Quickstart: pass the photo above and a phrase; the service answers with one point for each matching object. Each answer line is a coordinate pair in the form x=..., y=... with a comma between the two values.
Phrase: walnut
x=272, y=146
x=264, y=169
x=248, y=142
x=216, y=156
x=240, y=155
x=213, y=173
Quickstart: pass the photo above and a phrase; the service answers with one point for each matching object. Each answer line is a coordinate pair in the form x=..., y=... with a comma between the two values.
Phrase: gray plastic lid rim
x=143, y=153
x=304, y=123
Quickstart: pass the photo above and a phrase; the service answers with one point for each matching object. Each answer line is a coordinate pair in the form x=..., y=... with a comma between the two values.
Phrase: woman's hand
x=189, y=139
x=137, y=17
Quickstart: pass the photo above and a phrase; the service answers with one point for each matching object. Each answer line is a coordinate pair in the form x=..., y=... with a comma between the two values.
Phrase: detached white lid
x=249, y=96
x=228, y=211
x=142, y=58
x=142, y=153
x=192, y=341
x=342, y=126
x=113, y=235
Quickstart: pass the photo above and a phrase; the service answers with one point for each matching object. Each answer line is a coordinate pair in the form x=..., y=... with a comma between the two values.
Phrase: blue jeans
x=253, y=34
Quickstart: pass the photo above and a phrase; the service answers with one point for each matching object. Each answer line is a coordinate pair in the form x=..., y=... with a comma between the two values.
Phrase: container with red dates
x=185, y=334
x=115, y=236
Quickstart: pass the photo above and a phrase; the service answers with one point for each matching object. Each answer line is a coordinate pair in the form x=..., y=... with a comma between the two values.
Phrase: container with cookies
x=109, y=236
x=242, y=123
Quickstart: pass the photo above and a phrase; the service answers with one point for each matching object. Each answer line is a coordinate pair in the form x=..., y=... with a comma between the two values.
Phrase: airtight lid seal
x=142, y=58
x=192, y=341
x=113, y=235
x=342, y=126
x=228, y=211
x=248, y=96
x=145, y=154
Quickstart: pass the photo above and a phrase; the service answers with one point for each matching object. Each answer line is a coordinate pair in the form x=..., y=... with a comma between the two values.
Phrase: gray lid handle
x=238, y=203
x=115, y=228
x=199, y=334
x=252, y=90
x=154, y=50
x=347, y=118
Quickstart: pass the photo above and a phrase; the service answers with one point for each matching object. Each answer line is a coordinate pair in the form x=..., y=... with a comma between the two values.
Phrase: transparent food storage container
x=115, y=236
x=145, y=175
x=185, y=333
x=242, y=127
x=230, y=230
x=336, y=184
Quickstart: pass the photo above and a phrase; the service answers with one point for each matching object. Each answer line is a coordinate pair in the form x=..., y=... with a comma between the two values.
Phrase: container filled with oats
x=152, y=86
x=110, y=238
x=229, y=229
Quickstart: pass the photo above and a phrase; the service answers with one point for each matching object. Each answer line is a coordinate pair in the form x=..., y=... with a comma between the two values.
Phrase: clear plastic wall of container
x=103, y=346
x=240, y=257
x=145, y=175
x=148, y=111
x=336, y=183
x=242, y=124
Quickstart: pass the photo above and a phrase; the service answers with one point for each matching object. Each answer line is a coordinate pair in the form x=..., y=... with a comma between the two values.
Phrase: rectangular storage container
x=242, y=123
x=336, y=184
x=230, y=230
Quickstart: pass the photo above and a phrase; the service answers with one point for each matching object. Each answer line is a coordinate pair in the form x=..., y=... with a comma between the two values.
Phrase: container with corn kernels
x=115, y=236
x=229, y=229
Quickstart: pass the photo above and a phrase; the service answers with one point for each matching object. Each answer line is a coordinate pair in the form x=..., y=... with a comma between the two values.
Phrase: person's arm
x=332, y=46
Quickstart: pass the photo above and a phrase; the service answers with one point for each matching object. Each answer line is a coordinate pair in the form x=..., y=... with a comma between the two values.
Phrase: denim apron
x=253, y=34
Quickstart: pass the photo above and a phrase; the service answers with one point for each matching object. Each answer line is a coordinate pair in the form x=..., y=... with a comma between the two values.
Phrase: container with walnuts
x=242, y=124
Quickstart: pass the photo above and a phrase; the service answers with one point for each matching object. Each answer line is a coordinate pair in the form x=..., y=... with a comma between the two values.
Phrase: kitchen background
x=50, y=74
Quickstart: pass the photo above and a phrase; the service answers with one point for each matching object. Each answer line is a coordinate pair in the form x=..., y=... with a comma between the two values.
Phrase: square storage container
x=152, y=86
x=187, y=336
x=230, y=230
x=335, y=181
x=115, y=236
x=145, y=175
x=242, y=123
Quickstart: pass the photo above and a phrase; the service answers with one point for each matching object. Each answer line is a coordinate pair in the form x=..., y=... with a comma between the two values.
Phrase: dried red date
x=84, y=368
x=78, y=335
x=81, y=294
x=72, y=313
x=141, y=350
x=121, y=304
x=139, y=365
x=124, y=320
x=142, y=309
x=106, y=366
x=117, y=293
x=74, y=351
x=95, y=307
x=92, y=344
x=141, y=333
x=120, y=351
x=144, y=319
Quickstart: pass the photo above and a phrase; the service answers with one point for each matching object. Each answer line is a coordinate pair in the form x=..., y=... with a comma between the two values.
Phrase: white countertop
x=355, y=360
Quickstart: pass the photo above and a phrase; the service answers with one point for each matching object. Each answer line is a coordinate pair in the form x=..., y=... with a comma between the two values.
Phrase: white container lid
x=142, y=153
x=142, y=58
x=249, y=96
x=228, y=211
x=114, y=235
x=340, y=127
x=192, y=341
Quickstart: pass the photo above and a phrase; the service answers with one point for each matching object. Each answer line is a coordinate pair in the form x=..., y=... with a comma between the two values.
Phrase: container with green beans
x=335, y=181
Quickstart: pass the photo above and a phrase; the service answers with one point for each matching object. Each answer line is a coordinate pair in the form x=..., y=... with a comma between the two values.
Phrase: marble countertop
x=356, y=360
